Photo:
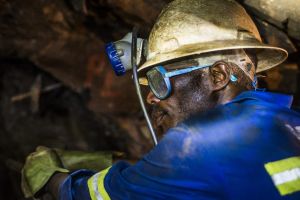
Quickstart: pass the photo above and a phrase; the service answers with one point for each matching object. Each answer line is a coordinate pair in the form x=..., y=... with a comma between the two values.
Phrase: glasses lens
x=157, y=83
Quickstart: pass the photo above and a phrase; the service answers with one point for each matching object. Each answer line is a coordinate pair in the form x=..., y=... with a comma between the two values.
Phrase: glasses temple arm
x=183, y=71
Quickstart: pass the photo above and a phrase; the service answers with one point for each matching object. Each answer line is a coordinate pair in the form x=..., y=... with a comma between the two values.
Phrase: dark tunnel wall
x=60, y=45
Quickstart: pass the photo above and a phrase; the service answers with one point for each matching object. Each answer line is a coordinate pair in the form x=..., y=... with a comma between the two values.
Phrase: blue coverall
x=248, y=149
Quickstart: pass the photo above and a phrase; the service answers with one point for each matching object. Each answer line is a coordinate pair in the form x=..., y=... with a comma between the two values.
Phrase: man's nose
x=152, y=99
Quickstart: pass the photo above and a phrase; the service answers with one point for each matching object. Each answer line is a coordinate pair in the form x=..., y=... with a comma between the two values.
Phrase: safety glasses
x=159, y=79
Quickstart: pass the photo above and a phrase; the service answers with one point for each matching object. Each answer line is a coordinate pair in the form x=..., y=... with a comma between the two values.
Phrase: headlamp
x=119, y=53
x=125, y=55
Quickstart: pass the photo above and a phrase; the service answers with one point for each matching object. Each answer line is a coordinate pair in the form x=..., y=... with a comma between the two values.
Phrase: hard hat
x=193, y=27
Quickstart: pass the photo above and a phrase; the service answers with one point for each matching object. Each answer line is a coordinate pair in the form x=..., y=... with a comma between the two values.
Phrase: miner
x=223, y=137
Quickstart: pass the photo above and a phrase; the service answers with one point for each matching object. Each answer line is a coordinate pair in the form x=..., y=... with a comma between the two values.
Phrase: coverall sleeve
x=175, y=169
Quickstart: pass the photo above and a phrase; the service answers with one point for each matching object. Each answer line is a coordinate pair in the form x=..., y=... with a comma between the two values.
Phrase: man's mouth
x=158, y=115
x=160, y=119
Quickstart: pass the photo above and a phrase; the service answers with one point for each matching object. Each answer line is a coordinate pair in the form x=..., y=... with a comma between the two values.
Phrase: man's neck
x=228, y=94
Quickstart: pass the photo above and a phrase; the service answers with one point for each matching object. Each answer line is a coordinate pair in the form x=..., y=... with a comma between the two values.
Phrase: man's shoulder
x=254, y=110
x=238, y=121
x=231, y=115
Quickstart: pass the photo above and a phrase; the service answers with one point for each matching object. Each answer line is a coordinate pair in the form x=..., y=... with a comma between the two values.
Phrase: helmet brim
x=267, y=56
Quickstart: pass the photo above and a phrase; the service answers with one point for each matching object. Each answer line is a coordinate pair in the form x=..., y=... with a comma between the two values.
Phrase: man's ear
x=220, y=75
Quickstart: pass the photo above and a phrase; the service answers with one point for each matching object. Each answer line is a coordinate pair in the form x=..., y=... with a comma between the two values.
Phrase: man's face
x=190, y=95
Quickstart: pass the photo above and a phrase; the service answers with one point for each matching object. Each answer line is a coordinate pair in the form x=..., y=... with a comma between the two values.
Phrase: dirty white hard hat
x=194, y=27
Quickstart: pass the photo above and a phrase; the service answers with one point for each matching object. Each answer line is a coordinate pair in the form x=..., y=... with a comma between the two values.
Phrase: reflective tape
x=96, y=186
x=297, y=129
x=285, y=175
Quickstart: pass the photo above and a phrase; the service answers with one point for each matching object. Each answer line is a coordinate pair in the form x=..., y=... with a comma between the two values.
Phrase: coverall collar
x=270, y=97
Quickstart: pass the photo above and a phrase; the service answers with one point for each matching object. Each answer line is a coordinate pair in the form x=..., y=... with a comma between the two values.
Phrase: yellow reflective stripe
x=96, y=186
x=101, y=188
x=282, y=165
x=289, y=187
x=91, y=188
x=285, y=174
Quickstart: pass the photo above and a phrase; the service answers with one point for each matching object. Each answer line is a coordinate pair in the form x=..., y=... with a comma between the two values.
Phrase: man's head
x=203, y=89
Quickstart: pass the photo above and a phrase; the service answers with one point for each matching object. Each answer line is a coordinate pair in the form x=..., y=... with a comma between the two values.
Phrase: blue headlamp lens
x=158, y=82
